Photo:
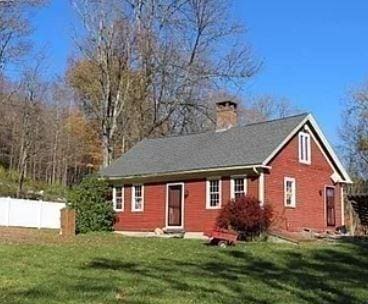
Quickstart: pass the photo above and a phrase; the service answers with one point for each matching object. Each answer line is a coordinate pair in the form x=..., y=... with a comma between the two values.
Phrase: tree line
x=140, y=68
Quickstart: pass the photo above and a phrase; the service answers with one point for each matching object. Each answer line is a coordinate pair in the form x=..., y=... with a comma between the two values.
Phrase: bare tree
x=107, y=50
x=154, y=64
x=33, y=91
x=354, y=132
x=266, y=107
x=14, y=29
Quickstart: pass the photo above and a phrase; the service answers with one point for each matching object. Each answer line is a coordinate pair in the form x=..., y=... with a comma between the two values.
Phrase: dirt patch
x=30, y=235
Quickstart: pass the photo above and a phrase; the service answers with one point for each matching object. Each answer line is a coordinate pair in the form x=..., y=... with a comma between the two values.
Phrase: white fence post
x=40, y=215
x=8, y=204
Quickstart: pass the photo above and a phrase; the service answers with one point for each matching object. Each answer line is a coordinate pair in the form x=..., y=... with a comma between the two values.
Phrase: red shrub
x=245, y=215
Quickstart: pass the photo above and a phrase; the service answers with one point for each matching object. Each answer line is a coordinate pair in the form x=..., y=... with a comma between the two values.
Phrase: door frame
x=325, y=204
x=167, y=205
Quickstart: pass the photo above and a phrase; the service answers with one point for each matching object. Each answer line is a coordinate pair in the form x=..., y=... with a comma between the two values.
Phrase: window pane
x=214, y=199
x=306, y=145
x=119, y=203
x=137, y=198
x=138, y=204
x=214, y=186
x=301, y=147
x=118, y=199
x=289, y=193
x=214, y=193
x=138, y=191
x=239, y=185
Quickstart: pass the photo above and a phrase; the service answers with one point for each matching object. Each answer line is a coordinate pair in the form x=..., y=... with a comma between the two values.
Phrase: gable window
x=118, y=198
x=289, y=192
x=213, y=193
x=304, y=148
x=137, y=197
x=238, y=186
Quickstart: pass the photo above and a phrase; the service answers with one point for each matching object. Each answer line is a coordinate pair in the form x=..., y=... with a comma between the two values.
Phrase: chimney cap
x=227, y=102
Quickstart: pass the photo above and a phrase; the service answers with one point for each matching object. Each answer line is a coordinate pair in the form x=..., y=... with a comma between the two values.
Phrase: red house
x=181, y=182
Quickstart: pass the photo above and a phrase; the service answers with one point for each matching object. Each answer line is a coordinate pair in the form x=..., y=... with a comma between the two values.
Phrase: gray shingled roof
x=239, y=146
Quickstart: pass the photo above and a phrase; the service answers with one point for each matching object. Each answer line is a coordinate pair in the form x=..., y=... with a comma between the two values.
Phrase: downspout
x=261, y=188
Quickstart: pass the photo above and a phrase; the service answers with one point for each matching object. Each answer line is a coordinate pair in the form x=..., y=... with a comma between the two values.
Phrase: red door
x=330, y=206
x=174, y=205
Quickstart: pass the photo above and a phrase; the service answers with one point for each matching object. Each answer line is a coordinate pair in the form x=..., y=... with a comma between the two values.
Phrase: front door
x=174, y=205
x=330, y=206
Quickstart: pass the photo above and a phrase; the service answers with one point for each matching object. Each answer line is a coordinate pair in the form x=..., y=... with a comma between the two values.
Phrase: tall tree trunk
x=22, y=171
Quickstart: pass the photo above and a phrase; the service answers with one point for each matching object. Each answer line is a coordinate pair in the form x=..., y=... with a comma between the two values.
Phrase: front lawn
x=38, y=267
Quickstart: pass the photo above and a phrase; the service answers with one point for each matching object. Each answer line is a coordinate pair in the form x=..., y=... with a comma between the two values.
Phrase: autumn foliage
x=245, y=215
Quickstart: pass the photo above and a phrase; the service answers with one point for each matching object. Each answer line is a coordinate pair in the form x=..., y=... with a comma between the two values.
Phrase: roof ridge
x=276, y=119
x=243, y=126
x=181, y=135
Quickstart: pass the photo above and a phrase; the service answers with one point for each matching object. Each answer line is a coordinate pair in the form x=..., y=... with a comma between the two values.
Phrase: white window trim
x=232, y=185
x=293, y=198
x=114, y=198
x=133, y=198
x=208, y=206
x=302, y=146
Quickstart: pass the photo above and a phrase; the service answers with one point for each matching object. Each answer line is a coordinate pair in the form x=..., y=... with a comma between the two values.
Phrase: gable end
x=322, y=144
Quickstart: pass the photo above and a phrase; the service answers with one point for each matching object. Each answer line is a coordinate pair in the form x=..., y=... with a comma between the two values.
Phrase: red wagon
x=222, y=237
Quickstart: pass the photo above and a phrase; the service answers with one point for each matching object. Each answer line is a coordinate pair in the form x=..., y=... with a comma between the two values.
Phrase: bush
x=246, y=216
x=93, y=211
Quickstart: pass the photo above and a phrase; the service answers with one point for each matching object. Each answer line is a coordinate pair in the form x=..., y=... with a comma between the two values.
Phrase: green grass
x=106, y=268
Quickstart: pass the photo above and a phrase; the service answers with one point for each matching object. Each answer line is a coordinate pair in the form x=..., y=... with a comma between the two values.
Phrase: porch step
x=173, y=232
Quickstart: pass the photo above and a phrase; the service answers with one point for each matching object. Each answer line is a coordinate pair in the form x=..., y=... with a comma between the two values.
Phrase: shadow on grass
x=326, y=274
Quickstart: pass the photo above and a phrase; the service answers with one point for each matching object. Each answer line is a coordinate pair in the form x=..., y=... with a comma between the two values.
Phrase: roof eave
x=188, y=172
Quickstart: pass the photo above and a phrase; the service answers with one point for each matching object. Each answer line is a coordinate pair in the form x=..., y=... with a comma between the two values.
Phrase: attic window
x=304, y=148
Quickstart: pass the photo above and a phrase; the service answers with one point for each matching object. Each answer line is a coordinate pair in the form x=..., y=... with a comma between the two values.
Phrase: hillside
x=32, y=189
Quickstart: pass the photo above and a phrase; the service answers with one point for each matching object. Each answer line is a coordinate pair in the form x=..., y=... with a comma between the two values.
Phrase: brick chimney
x=227, y=115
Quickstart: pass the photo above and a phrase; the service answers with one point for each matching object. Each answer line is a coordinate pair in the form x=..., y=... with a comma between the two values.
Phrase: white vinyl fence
x=29, y=213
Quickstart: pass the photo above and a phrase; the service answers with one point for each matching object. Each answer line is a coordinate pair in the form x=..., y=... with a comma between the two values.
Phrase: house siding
x=153, y=214
x=197, y=218
x=311, y=180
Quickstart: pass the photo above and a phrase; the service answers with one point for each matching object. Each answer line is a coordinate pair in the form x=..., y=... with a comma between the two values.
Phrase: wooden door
x=174, y=205
x=330, y=206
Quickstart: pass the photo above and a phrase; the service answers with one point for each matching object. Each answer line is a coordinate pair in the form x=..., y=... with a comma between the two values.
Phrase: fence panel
x=29, y=213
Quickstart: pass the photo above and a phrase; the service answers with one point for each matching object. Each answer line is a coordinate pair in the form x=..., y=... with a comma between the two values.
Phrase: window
x=118, y=198
x=137, y=198
x=304, y=148
x=289, y=192
x=238, y=186
x=213, y=193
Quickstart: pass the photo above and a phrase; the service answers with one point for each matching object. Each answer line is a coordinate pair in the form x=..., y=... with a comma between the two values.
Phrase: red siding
x=196, y=217
x=311, y=181
x=151, y=217
x=253, y=186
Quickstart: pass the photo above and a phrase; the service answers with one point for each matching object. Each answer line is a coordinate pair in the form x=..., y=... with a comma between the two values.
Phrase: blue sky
x=313, y=51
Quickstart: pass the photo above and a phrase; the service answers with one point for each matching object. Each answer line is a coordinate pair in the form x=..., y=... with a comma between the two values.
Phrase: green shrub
x=93, y=211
